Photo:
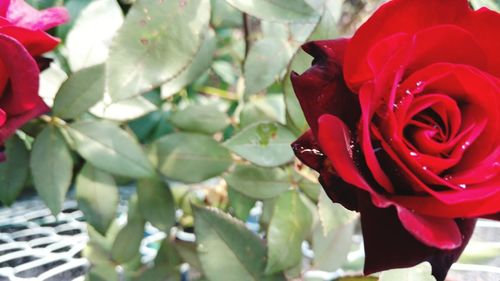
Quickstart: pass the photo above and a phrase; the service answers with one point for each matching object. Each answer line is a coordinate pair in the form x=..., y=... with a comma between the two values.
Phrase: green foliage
x=14, y=171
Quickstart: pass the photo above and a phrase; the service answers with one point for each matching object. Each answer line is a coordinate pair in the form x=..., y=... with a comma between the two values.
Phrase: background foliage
x=189, y=101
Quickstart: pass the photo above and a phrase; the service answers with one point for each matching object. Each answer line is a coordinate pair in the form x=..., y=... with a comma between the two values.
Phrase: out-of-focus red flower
x=405, y=122
x=22, y=41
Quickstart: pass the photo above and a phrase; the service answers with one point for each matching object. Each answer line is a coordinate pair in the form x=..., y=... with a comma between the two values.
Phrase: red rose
x=405, y=122
x=22, y=40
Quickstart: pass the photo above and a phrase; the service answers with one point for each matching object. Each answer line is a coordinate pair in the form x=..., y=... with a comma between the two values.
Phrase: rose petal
x=388, y=245
x=432, y=231
x=23, y=72
x=308, y=151
x=321, y=89
x=22, y=14
x=15, y=122
x=36, y=42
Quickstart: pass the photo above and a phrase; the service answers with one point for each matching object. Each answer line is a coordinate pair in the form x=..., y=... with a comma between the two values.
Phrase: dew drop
x=425, y=168
x=464, y=186
x=447, y=178
x=413, y=153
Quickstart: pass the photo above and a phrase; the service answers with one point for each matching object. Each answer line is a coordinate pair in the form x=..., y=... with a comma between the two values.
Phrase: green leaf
x=88, y=40
x=97, y=197
x=187, y=250
x=420, y=272
x=264, y=144
x=128, y=241
x=224, y=15
x=189, y=157
x=166, y=265
x=156, y=203
x=157, y=42
x=123, y=110
x=290, y=224
x=13, y=171
x=102, y=273
x=478, y=252
x=265, y=63
x=266, y=108
x=81, y=91
x=258, y=183
x=51, y=167
x=110, y=148
x=225, y=70
x=332, y=215
x=332, y=236
x=277, y=10
x=222, y=238
x=201, y=62
x=240, y=203
x=207, y=119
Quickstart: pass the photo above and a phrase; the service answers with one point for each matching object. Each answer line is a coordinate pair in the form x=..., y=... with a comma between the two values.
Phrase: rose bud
x=404, y=128
x=22, y=41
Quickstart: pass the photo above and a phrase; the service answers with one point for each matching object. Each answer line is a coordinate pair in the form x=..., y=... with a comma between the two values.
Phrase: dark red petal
x=338, y=190
x=308, y=151
x=23, y=72
x=435, y=232
x=36, y=42
x=493, y=217
x=388, y=245
x=321, y=89
x=394, y=17
x=15, y=122
x=22, y=14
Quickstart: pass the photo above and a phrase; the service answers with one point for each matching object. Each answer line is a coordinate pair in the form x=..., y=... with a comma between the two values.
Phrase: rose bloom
x=22, y=41
x=405, y=122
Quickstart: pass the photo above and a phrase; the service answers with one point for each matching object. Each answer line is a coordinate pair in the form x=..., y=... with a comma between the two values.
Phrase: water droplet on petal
x=447, y=177
x=413, y=153
x=425, y=168
x=462, y=185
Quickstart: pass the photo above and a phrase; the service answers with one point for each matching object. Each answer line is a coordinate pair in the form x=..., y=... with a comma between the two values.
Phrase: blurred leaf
x=277, y=10
x=13, y=171
x=478, y=252
x=225, y=16
x=265, y=63
x=187, y=250
x=156, y=43
x=265, y=144
x=123, y=110
x=331, y=248
x=222, y=238
x=102, y=273
x=358, y=278
x=290, y=223
x=81, y=91
x=110, y=148
x=266, y=108
x=189, y=157
x=156, y=203
x=97, y=197
x=332, y=215
x=225, y=71
x=240, y=203
x=52, y=168
x=201, y=62
x=88, y=41
x=166, y=265
x=128, y=241
x=258, y=183
x=51, y=80
x=207, y=119
x=490, y=4
x=310, y=188
x=420, y=272
x=74, y=7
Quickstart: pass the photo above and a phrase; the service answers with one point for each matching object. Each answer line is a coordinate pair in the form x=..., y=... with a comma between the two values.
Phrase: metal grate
x=34, y=245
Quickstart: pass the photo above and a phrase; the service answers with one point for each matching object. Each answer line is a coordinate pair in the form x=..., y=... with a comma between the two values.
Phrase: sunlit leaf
x=223, y=238
x=264, y=144
x=156, y=43
x=156, y=203
x=52, y=168
x=421, y=272
x=289, y=225
x=189, y=157
x=277, y=10
x=110, y=148
x=97, y=196
x=206, y=119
